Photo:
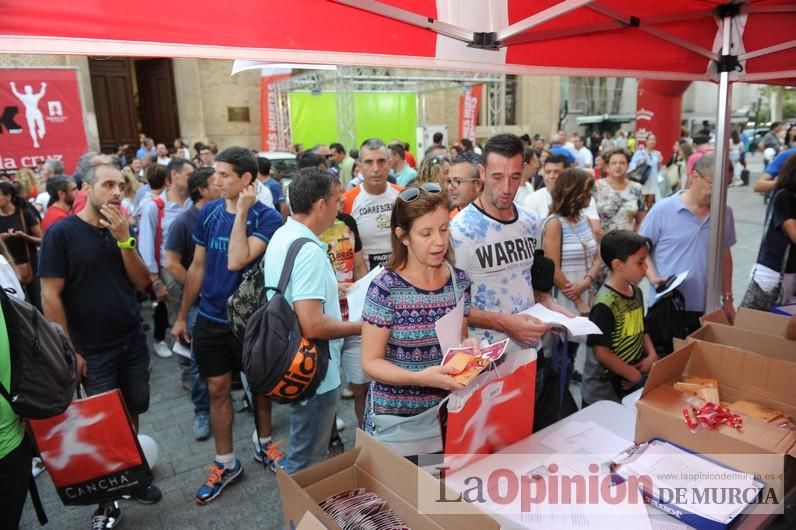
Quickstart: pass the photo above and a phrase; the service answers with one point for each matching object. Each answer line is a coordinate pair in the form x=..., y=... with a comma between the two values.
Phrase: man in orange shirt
x=63, y=191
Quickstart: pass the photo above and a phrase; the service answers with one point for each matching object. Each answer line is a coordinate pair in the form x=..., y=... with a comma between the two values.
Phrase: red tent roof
x=676, y=39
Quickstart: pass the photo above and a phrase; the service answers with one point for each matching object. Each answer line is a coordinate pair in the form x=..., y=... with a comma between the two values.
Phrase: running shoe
x=162, y=350
x=148, y=495
x=106, y=518
x=201, y=427
x=218, y=479
x=271, y=452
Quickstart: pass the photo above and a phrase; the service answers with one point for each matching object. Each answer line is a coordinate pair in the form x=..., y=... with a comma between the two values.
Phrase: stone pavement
x=254, y=502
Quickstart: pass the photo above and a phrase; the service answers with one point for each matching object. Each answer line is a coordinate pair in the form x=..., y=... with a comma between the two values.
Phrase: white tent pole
x=718, y=199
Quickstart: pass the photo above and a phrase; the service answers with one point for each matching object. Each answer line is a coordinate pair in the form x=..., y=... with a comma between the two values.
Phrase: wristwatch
x=129, y=243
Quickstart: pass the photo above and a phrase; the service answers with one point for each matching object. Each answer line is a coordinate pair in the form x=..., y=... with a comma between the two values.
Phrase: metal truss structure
x=345, y=81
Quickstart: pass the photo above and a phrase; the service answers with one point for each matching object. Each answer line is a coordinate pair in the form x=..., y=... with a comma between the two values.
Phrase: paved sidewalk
x=254, y=502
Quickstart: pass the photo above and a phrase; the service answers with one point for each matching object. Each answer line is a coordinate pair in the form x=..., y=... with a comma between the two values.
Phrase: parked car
x=282, y=162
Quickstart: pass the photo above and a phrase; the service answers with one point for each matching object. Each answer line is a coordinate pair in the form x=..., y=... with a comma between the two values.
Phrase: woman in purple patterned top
x=400, y=348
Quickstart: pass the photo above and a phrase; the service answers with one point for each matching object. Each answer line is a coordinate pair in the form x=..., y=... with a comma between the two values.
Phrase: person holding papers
x=620, y=357
x=679, y=228
x=495, y=240
x=401, y=352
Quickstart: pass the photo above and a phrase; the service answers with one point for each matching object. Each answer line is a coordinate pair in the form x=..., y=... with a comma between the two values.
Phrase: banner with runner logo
x=91, y=451
x=41, y=117
x=468, y=111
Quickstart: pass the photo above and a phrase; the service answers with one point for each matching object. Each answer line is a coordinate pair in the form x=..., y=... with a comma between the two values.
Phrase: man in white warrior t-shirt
x=370, y=204
x=494, y=241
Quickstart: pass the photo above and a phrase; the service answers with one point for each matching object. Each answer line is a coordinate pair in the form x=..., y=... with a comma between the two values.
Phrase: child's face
x=635, y=268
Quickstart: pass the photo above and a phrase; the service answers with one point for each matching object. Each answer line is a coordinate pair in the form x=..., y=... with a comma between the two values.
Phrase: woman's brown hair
x=431, y=169
x=403, y=216
x=572, y=188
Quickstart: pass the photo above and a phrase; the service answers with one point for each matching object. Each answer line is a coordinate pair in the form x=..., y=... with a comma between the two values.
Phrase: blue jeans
x=310, y=428
x=199, y=393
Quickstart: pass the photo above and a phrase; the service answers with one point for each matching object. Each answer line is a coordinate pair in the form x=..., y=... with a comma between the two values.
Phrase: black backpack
x=665, y=320
x=43, y=368
x=277, y=360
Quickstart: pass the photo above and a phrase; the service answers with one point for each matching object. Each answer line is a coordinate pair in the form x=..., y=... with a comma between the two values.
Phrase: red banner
x=41, y=117
x=468, y=111
x=271, y=139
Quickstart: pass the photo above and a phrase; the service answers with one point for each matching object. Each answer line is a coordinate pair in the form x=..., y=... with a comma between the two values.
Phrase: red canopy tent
x=729, y=41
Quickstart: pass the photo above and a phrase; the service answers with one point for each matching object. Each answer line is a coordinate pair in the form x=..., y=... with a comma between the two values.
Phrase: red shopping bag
x=91, y=451
x=495, y=409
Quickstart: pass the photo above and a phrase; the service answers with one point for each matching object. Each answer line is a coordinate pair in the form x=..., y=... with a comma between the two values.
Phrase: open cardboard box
x=767, y=380
x=754, y=341
x=378, y=469
x=752, y=320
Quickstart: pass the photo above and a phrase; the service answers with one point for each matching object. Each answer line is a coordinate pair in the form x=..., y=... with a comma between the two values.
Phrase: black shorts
x=216, y=349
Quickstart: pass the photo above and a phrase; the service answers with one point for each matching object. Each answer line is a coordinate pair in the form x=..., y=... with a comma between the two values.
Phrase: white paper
x=577, y=326
x=357, y=292
x=449, y=327
x=573, y=516
x=678, y=280
x=179, y=349
x=660, y=521
x=585, y=437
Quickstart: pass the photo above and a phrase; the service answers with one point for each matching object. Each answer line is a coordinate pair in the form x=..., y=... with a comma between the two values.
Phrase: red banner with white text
x=468, y=112
x=41, y=117
x=272, y=136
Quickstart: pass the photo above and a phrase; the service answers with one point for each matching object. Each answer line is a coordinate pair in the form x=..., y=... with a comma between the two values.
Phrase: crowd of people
x=464, y=225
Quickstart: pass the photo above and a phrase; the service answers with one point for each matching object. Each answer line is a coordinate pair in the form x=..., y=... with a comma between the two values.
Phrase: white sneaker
x=162, y=350
x=340, y=423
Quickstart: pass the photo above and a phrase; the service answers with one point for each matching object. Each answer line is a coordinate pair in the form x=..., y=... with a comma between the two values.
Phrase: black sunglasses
x=411, y=194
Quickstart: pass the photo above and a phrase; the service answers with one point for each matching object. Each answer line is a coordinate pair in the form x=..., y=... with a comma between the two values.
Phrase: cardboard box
x=310, y=522
x=752, y=320
x=765, y=379
x=378, y=469
x=753, y=341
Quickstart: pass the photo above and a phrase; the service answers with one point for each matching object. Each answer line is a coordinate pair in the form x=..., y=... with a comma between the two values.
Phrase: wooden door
x=111, y=85
x=157, y=100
